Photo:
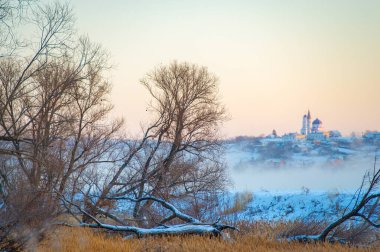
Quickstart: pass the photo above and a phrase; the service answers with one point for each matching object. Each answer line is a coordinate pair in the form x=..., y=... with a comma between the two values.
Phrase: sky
x=274, y=59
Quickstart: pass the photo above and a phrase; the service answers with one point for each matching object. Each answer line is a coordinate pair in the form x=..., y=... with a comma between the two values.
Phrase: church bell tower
x=308, y=128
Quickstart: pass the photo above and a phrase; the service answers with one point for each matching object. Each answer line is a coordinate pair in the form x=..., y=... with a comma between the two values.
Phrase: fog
x=321, y=177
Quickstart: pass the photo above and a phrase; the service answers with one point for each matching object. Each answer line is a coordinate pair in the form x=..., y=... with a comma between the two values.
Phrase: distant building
x=306, y=124
x=335, y=134
x=372, y=137
x=317, y=126
x=316, y=131
x=318, y=135
x=293, y=136
x=274, y=133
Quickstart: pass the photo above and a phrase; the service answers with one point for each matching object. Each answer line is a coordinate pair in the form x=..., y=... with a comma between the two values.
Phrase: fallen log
x=181, y=229
x=191, y=225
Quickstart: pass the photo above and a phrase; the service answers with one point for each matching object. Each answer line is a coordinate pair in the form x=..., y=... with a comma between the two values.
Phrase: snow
x=290, y=206
x=346, y=151
x=283, y=205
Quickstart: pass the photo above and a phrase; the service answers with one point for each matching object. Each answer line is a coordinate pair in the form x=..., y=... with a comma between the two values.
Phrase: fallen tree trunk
x=192, y=226
x=181, y=229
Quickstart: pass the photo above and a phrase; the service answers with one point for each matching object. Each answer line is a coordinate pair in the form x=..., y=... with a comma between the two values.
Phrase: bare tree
x=54, y=23
x=54, y=134
x=12, y=14
x=179, y=153
x=53, y=122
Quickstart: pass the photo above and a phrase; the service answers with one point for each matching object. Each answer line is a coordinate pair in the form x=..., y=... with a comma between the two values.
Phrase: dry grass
x=80, y=239
x=241, y=202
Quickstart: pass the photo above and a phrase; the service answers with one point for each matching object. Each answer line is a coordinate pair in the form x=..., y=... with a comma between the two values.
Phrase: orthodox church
x=313, y=130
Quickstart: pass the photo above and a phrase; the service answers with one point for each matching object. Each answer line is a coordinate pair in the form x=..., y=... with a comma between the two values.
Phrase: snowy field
x=270, y=206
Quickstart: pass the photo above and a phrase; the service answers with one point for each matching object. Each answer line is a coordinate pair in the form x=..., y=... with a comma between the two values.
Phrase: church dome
x=317, y=121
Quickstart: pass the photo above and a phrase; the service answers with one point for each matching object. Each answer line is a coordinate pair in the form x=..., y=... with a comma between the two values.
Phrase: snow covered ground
x=285, y=206
x=269, y=206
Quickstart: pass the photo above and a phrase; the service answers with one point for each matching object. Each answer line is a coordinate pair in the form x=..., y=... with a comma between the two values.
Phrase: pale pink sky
x=275, y=59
